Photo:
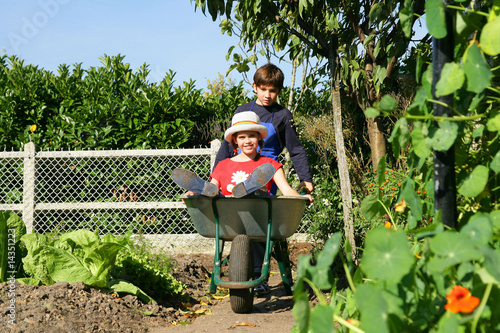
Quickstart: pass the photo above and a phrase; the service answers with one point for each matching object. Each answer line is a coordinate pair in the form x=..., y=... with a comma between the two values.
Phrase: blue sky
x=166, y=35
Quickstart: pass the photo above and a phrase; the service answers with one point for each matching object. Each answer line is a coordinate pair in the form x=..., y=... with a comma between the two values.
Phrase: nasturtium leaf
x=304, y=267
x=388, y=103
x=479, y=228
x=322, y=319
x=474, y=184
x=493, y=123
x=449, y=323
x=371, y=207
x=452, y=78
x=413, y=201
x=381, y=171
x=451, y=248
x=490, y=38
x=406, y=19
x=418, y=139
x=330, y=250
x=436, y=22
x=373, y=309
x=495, y=163
x=495, y=218
x=491, y=261
x=321, y=273
x=387, y=256
x=372, y=112
x=301, y=311
x=476, y=69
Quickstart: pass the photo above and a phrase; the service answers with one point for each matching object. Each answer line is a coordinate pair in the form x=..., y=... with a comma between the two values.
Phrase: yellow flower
x=400, y=207
x=33, y=128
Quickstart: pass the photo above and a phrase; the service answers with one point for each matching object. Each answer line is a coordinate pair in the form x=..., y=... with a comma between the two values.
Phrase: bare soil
x=76, y=307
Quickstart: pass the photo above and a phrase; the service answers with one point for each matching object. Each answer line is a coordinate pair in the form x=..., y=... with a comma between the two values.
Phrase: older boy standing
x=268, y=83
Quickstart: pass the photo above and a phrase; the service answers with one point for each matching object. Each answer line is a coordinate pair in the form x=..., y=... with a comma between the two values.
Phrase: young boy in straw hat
x=243, y=173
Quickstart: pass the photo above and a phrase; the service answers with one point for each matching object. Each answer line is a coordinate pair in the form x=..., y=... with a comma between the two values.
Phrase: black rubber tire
x=240, y=269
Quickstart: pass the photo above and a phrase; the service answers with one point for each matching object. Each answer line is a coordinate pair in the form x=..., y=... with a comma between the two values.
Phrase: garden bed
x=75, y=307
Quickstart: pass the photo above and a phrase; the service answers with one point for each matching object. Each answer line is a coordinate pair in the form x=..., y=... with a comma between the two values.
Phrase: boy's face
x=266, y=95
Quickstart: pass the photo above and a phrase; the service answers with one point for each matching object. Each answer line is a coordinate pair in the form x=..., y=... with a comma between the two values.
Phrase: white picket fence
x=111, y=191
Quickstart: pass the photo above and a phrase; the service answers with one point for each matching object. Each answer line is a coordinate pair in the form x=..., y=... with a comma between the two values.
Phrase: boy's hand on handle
x=308, y=185
x=304, y=191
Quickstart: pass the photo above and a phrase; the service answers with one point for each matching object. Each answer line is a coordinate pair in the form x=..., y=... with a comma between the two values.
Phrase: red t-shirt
x=229, y=173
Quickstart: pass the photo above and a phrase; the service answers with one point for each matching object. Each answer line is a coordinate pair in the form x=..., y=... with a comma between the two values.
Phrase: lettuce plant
x=79, y=255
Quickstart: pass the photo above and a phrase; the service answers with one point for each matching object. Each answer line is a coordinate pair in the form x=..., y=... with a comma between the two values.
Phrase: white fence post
x=214, y=146
x=29, y=187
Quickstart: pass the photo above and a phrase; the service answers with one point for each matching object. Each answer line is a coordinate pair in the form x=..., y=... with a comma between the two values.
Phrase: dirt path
x=272, y=313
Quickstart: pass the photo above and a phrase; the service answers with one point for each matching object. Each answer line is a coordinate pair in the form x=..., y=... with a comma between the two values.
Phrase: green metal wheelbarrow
x=269, y=219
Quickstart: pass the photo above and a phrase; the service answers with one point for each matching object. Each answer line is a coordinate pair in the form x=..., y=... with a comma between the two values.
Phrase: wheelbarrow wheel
x=240, y=270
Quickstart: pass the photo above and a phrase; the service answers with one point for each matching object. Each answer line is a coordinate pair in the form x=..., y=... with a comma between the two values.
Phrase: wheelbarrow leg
x=281, y=254
x=219, y=249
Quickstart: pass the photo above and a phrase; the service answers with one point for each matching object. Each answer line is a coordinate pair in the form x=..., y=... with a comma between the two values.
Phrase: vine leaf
x=452, y=78
x=443, y=138
x=476, y=69
x=490, y=38
x=436, y=23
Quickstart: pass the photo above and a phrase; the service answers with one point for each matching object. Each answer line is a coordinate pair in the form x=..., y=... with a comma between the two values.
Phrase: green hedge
x=106, y=107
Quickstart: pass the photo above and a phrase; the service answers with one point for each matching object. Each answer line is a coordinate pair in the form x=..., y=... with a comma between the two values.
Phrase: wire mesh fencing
x=112, y=191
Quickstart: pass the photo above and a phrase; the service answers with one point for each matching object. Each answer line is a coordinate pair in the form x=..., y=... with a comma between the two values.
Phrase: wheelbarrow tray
x=246, y=216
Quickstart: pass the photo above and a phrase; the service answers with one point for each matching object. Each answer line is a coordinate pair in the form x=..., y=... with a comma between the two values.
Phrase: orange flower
x=460, y=300
x=387, y=224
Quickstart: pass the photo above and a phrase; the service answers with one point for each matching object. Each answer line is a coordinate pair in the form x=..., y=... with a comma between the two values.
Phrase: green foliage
x=148, y=268
x=84, y=256
x=74, y=256
x=12, y=228
x=402, y=282
x=105, y=107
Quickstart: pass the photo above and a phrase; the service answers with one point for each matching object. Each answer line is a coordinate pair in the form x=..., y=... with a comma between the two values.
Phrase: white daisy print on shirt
x=239, y=176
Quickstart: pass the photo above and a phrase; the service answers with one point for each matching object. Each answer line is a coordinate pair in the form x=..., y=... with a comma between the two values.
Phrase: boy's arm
x=285, y=188
x=225, y=151
x=297, y=154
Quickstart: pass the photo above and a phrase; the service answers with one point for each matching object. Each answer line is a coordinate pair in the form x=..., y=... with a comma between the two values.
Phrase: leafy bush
x=148, y=268
x=105, y=107
x=408, y=284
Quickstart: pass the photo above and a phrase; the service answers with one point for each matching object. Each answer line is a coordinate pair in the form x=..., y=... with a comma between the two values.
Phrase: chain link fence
x=106, y=191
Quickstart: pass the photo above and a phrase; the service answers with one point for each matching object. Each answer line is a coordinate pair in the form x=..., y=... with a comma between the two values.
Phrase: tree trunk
x=345, y=182
x=377, y=140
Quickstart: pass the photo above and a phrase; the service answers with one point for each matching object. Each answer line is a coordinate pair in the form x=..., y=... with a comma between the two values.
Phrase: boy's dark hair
x=269, y=75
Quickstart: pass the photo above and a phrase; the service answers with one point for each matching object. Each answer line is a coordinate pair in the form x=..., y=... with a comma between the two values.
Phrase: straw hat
x=245, y=121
